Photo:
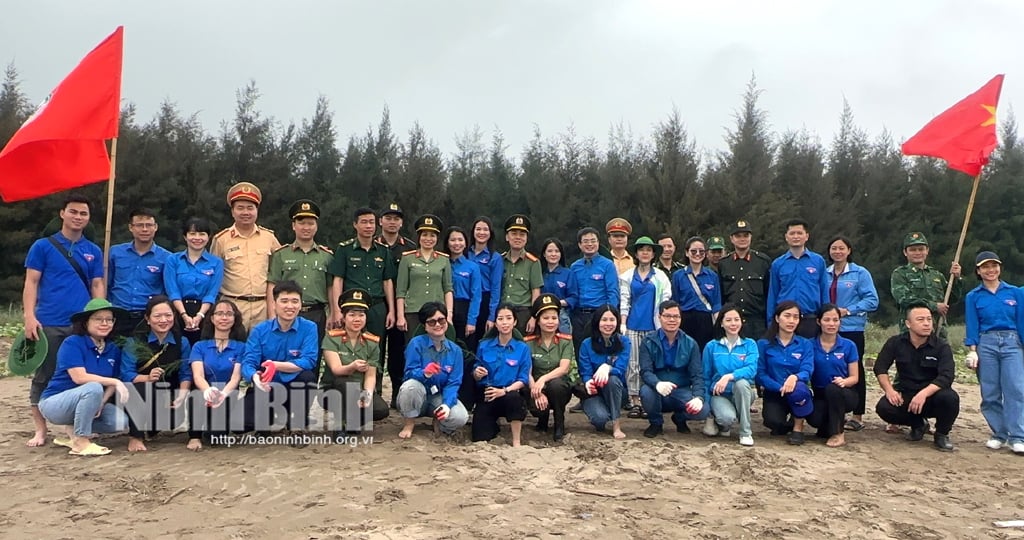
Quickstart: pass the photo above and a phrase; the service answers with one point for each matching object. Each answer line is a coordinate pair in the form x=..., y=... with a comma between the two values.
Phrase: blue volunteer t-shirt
x=62, y=293
x=79, y=351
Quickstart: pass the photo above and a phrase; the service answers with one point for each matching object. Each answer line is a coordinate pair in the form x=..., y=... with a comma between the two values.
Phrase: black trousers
x=943, y=406
x=298, y=396
x=396, y=358
x=776, y=413
x=125, y=325
x=862, y=384
x=581, y=318
x=558, y=393
x=831, y=404
x=460, y=318
x=699, y=326
x=468, y=390
x=522, y=317
x=481, y=322
x=753, y=326
x=808, y=327
x=485, y=419
x=342, y=399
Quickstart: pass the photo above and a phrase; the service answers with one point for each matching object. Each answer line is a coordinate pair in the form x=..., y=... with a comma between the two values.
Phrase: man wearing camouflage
x=918, y=282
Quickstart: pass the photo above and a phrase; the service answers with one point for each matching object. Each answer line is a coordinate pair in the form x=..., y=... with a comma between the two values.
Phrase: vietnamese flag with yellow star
x=965, y=134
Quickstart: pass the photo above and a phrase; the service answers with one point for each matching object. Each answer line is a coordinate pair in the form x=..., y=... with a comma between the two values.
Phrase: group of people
x=462, y=329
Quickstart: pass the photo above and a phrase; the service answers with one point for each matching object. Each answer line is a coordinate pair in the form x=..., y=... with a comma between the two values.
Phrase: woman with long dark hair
x=216, y=366
x=603, y=361
x=466, y=286
x=492, y=270
x=556, y=279
x=853, y=291
x=784, y=366
x=697, y=290
x=502, y=369
x=834, y=379
x=730, y=365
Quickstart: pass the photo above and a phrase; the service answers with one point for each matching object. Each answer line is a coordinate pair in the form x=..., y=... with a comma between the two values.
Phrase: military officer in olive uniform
x=362, y=263
x=918, y=282
x=522, y=279
x=352, y=361
x=390, y=220
x=424, y=275
x=744, y=278
x=246, y=248
x=716, y=251
x=305, y=262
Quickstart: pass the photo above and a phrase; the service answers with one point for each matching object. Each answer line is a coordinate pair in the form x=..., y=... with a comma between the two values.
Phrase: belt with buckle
x=246, y=298
x=312, y=307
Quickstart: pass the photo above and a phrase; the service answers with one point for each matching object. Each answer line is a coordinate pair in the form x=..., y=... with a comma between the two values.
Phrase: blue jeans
x=78, y=407
x=606, y=405
x=1001, y=374
x=655, y=404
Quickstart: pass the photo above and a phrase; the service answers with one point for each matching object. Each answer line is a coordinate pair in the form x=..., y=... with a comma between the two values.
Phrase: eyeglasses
x=144, y=225
x=671, y=317
x=697, y=251
x=223, y=313
x=102, y=320
x=440, y=321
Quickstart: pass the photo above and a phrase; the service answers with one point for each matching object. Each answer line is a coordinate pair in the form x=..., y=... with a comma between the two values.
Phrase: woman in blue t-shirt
x=835, y=377
x=216, y=369
x=89, y=371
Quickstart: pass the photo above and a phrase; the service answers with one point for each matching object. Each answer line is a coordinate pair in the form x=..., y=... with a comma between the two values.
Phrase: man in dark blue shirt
x=798, y=275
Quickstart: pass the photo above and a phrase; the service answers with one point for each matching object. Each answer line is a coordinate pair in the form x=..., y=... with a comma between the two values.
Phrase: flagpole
x=960, y=244
x=110, y=209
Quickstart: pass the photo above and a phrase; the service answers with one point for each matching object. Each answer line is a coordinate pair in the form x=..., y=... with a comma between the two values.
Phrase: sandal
x=853, y=425
x=893, y=429
x=636, y=411
x=66, y=443
x=92, y=450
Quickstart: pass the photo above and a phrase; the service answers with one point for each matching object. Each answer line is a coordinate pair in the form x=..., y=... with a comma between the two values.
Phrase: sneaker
x=995, y=444
x=1017, y=448
x=796, y=438
x=747, y=440
x=725, y=432
x=710, y=427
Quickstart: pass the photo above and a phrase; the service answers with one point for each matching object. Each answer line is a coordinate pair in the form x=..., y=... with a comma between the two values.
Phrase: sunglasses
x=441, y=321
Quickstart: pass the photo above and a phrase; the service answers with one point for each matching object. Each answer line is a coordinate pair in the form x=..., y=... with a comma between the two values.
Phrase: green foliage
x=856, y=185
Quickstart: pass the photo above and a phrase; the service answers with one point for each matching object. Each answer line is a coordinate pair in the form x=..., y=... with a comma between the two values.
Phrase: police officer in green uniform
x=390, y=220
x=362, y=263
x=304, y=262
x=918, y=282
x=744, y=278
x=352, y=361
x=522, y=279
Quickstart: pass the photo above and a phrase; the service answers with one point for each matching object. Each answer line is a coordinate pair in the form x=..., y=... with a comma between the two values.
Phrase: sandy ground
x=675, y=486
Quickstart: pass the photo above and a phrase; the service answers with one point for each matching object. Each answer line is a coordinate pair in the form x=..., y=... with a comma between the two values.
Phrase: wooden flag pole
x=960, y=244
x=110, y=210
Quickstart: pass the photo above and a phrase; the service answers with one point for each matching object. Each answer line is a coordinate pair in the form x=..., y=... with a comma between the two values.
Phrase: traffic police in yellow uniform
x=245, y=248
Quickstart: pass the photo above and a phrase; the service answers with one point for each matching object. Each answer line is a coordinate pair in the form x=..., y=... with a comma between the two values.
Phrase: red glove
x=432, y=369
x=591, y=387
x=441, y=412
x=269, y=369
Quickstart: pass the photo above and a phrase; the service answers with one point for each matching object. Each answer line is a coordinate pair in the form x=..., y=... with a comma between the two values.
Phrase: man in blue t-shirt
x=55, y=289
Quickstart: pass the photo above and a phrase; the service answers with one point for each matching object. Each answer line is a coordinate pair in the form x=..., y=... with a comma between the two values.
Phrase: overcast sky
x=590, y=64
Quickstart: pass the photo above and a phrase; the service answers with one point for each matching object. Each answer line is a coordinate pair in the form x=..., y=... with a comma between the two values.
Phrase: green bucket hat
x=98, y=304
x=646, y=241
x=27, y=355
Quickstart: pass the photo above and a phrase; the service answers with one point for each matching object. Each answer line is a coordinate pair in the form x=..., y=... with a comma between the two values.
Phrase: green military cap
x=646, y=241
x=355, y=299
x=304, y=208
x=517, y=222
x=716, y=242
x=545, y=302
x=915, y=239
x=98, y=304
x=429, y=222
x=27, y=355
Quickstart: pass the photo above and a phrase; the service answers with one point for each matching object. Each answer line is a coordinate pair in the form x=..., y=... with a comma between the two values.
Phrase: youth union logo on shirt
x=811, y=270
x=208, y=272
x=511, y=361
x=1010, y=302
x=597, y=277
x=447, y=369
x=110, y=361
x=294, y=352
x=848, y=284
x=797, y=355
x=839, y=355
x=88, y=257
x=153, y=269
x=709, y=286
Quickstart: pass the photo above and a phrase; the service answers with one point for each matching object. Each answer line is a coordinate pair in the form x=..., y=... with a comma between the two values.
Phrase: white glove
x=622, y=327
x=591, y=387
x=442, y=412
x=972, y=359
x=664, y=388
x=211, y=394
x=601, y=374
x=694, y=405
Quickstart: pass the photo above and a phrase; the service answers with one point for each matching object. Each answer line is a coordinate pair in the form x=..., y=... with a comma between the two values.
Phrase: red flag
x=63, y=144
x=965, y=134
